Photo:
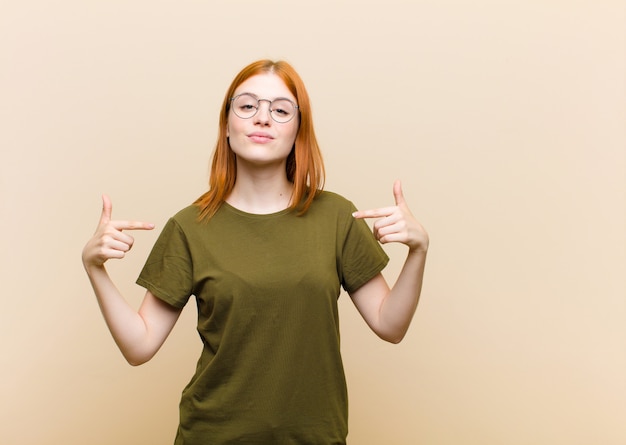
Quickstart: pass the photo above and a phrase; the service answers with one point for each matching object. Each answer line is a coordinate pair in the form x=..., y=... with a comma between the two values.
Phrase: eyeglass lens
x=246, y=105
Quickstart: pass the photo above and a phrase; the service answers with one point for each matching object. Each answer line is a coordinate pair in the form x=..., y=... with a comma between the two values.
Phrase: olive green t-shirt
x=266, y=288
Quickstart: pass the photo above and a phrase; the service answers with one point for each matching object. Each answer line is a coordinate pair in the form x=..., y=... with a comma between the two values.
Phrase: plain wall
x=506, y=121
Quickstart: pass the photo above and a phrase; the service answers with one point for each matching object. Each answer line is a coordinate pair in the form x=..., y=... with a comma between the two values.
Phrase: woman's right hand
x=109, y=240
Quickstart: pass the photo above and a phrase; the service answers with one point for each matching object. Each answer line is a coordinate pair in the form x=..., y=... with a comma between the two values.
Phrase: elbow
x=134, y=363
x=392, y=337
x=391, y=333
x=139, y=352
x=395, y=340
x=135, y=360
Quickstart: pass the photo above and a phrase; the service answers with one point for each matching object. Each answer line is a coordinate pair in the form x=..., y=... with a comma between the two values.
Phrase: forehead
x=265, y=86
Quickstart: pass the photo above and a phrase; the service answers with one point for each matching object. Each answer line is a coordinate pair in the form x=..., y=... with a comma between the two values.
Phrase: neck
x=261, y=193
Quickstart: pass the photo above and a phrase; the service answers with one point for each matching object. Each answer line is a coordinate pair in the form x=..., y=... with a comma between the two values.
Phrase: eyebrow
x=257, y=97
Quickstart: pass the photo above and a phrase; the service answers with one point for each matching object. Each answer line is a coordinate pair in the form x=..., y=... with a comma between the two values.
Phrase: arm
x=138, y=333
x=389, y=311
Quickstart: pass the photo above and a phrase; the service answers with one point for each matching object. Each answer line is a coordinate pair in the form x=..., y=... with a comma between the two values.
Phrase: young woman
x=265, y=252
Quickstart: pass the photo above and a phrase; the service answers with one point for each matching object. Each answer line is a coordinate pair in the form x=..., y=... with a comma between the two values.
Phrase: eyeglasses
x=246, y=105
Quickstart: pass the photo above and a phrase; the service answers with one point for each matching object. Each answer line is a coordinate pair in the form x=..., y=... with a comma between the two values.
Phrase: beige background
x=505, y=120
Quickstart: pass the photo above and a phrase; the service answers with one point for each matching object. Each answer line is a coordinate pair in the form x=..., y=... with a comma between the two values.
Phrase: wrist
x=419, y=250
x=91, y=268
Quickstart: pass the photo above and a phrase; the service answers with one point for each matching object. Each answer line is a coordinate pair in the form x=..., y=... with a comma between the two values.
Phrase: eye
x=245, y=102
x=282, y=108
x=281, y=111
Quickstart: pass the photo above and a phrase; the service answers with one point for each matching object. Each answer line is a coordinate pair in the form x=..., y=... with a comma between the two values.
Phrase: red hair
x=305, y=168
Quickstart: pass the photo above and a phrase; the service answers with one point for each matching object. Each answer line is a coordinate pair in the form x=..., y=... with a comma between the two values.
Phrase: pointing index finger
x=105, y=218
x=132, y=225
x=374, y=213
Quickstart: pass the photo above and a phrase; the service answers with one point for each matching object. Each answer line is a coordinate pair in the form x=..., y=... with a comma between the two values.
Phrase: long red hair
x=305, y=168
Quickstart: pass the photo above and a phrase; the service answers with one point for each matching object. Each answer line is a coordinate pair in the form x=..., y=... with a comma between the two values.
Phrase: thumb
x=397, y=192
x=107, y=207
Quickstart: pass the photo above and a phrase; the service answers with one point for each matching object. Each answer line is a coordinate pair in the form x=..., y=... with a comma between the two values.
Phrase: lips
x=260, y=137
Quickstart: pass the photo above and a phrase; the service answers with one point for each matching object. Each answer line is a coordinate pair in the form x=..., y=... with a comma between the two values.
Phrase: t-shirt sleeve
x=168, y=272
x=362, y=257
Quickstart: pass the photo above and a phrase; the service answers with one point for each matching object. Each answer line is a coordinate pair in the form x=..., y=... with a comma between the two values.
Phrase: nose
x=262, y=115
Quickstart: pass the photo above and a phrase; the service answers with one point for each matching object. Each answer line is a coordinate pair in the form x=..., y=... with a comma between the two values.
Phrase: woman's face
x=259, y=139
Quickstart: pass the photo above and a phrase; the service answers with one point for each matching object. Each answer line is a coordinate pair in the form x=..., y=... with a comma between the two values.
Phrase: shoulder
x=333, y=200
x=185, y=220
x=330, y=206
x=187, y=215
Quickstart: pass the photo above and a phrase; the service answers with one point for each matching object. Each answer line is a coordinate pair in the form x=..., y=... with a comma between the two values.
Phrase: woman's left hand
x=397, y=224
